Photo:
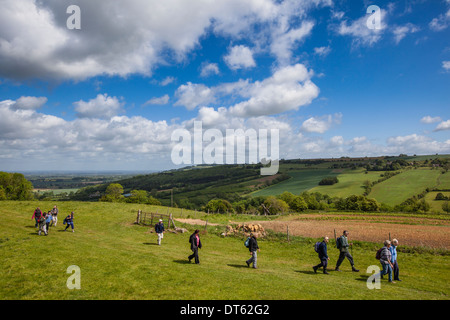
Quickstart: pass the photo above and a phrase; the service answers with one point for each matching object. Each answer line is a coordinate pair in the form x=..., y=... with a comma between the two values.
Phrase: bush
x=328, y=181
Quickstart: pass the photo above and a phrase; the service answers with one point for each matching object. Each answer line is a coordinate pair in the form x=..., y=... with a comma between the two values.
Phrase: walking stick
x=335, y=239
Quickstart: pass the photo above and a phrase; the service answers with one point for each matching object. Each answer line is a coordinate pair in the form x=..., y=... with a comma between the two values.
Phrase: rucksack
x=316, y=246
x=338, y=243
x=247, y=242
x=378, y=255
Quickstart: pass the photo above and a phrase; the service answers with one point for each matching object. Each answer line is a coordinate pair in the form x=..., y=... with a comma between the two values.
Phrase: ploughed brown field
x=410, y=231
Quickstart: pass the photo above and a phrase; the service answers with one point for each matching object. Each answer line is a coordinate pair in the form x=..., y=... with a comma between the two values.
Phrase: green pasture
x=397, y=189
x=300, y=181
x=120, y=260
x=351, y=182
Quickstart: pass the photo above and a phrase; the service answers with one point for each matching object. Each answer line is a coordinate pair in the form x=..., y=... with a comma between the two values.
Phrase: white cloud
x=167, y=80
x=29, y=103
x=209, y=69
x=284, y=40
x=441, y=22
x=322, y=51
x=192, y=95
x=444, y=125
x=446, y=65
x=429, y=119
x=288, y=88
x=101, y=107
x=124, y=37
x=401, y=31
x=321, y=124
x=240, y=57
x=158, y=100
x=359, y=31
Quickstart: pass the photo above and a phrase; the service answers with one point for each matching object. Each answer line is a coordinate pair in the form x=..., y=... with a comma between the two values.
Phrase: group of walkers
x=46, y=219
x=387, y=256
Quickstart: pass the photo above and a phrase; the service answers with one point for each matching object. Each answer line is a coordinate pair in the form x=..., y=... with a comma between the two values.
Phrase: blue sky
x=108, y=96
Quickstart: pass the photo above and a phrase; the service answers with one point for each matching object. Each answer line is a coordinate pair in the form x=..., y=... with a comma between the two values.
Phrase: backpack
x=247, y=242
x=338, y=243
x=316, y=246
x=378, y=254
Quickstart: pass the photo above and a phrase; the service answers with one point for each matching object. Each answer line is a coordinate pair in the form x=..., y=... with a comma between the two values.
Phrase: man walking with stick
x=342, y=244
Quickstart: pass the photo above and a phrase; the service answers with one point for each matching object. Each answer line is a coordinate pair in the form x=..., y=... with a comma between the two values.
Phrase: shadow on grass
x=306, y=272
x=238, y=266
x=182, y=261
x=150, y=244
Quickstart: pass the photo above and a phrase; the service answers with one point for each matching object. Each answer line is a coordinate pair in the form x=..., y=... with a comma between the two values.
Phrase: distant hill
x=193, y=187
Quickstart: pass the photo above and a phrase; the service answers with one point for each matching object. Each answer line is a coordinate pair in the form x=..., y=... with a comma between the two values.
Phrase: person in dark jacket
x=252, y=247
x=323, y=256
x=159, y=229
x=36, y=216
x=196, y=244
x=343, y=252
x=69, y=221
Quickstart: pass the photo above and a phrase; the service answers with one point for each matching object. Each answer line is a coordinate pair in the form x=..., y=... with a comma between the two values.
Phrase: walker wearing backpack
x=247, y=242
x=316, y=246
x=378, y=254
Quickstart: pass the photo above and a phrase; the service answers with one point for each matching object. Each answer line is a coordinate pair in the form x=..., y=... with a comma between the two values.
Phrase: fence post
x=206, y=224
x=288, y=233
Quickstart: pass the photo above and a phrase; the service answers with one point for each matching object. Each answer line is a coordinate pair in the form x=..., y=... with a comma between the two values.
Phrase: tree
x=275, y=206
x=446, y=206
x=113, y=193
x=138, y=196
x=219, y=206
x=15, y=187
x=298, y=204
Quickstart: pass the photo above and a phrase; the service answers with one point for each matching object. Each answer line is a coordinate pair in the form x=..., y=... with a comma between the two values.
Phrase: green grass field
x=301, y=181
x=397, y=189
x=120, y=260
x=350, y=183
x=436, y=205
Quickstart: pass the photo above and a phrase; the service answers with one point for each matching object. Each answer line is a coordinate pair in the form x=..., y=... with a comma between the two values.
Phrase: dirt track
x=409, y=231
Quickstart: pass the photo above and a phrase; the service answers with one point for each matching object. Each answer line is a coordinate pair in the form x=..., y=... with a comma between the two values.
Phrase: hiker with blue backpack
x=69, y=221
x=321, y=248
x=343, y=245
x=252, y=244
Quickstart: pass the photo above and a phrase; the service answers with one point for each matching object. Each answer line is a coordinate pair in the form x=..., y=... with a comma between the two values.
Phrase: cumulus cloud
x=158, y=100
x=289, y=88
x=192, y=95
x=102, y=107
x=29, y=103
x=429, y=119
x=444, y=125
x=209, y=69
x=240, y=57
x=124, y=37
x=320, y=124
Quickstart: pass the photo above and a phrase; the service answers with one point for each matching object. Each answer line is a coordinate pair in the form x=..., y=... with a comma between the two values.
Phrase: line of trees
x=287, y=201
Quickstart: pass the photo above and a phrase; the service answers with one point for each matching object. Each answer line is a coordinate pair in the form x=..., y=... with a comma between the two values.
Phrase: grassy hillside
x=300, y=181
x=120, y=260
x=350, y=182
x=405, y=185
